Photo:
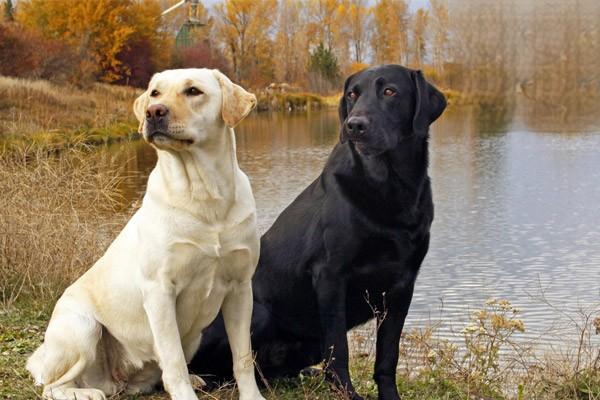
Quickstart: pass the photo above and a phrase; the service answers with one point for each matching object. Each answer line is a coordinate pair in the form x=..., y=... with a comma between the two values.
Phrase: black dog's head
x=383, y=104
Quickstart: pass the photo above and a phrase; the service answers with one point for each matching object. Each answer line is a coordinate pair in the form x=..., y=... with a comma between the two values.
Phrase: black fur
x=352, y=242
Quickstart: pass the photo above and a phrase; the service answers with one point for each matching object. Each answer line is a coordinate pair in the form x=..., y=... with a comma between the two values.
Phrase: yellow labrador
x=188, y=252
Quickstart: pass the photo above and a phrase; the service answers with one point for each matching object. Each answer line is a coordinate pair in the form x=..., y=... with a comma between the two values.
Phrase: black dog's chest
x=382, y=269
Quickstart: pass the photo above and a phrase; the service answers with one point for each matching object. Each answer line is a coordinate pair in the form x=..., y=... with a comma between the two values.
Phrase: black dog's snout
x=156, y=113
x=357, y=125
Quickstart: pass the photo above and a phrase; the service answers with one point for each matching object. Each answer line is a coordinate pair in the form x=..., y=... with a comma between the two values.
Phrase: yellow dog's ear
x=140, y=105
x=237, y=102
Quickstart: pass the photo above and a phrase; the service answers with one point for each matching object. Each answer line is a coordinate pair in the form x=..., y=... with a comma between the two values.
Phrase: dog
x=189, y=252
x=350, y=246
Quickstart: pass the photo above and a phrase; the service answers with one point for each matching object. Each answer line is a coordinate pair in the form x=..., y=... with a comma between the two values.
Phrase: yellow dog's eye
x=154, y=93
x=192, y=91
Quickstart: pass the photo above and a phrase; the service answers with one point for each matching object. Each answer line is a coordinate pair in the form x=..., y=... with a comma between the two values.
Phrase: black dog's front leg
x=331, y=295
x=388, y=342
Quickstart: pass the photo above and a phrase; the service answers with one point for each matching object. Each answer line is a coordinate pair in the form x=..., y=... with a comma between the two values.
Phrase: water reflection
x=516, y=211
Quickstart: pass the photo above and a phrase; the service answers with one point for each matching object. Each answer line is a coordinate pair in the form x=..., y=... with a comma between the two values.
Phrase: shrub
x=26, y=54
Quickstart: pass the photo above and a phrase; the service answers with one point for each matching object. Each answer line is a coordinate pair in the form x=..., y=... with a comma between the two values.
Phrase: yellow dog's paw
x=197, y=382
x=62, y=393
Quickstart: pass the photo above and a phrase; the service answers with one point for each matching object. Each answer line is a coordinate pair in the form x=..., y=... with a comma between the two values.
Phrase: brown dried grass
x=38, y=111
x=56, y=218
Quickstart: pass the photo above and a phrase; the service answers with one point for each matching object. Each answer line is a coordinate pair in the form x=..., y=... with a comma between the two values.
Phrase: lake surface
x=517, y=211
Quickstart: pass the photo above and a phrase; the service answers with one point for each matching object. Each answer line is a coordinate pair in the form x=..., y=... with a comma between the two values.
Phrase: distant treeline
x=547, y=51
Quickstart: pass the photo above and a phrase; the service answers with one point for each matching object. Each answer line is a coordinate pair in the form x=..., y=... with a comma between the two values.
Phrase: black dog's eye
x=154, y=93
x=192, y=91
x=389, y=92
x=352, y=95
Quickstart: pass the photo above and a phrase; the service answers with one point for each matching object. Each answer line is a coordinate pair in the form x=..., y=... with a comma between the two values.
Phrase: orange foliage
x=356, y=67
x=100, y=30
x=243, y=27
x=389, y=39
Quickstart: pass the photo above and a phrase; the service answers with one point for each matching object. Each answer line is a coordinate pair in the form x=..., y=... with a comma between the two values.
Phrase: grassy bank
x=312, y=101
x=58, y=214
x=49, y=115
x=41, y=114
x=289, y=101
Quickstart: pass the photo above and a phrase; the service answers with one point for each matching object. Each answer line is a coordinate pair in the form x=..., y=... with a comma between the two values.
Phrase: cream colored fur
x=137, y=315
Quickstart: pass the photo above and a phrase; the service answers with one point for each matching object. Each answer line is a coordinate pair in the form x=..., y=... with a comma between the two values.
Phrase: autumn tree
x=482, y=42
x=291, y=44
x=358, y=21
x=322, y=22
x=389, y=38
x=9, y=11
x=439, y=25
x=327, y=24
x=244, y=28
x=419, y=25
x=201, y=54
x=148, y=48
x=99, y=31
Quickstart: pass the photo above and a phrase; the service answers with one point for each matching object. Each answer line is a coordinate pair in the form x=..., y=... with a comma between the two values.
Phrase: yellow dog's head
x=184, y=107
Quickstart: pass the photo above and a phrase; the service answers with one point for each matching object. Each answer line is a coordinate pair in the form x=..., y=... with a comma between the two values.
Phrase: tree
x=389, y=38
x=148, y=48
x=324, y=69
x=244, y=28
x=419, y=27
x=200, y=55
x=439, y=26
x=9, y=11
x=321, y=27
x=328, y=24
x=100, y=31
x=358, y=16
x=291, y=44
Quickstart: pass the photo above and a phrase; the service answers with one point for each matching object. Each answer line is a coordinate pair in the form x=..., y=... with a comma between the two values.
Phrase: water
x=517, y=213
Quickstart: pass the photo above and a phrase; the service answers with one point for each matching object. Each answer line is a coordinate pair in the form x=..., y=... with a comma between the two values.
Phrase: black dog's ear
x=429, y=103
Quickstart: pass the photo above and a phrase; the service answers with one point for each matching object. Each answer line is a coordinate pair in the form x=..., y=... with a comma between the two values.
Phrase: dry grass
x=56, y=219
x=48, y=114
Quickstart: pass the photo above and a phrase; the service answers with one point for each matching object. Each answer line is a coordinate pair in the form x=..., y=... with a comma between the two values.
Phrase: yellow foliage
x=290, y=43
x=357, y=66
x=389, y=40
x=99, y=30
x=244, y=28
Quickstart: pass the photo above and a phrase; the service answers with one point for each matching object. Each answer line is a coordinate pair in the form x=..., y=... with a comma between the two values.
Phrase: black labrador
x=349, y=247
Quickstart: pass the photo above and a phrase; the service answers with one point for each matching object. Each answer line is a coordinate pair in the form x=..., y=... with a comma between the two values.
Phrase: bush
x=25, y=54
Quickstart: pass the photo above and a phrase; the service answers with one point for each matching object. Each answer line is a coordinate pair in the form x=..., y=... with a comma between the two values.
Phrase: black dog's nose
x=155, y=112
x=357, y=125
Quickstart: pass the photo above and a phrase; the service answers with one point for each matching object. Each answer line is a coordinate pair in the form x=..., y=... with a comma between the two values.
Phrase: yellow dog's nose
x=155, y=112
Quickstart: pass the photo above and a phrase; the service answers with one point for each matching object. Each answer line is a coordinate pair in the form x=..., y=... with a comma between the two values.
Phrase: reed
x=56, y=218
